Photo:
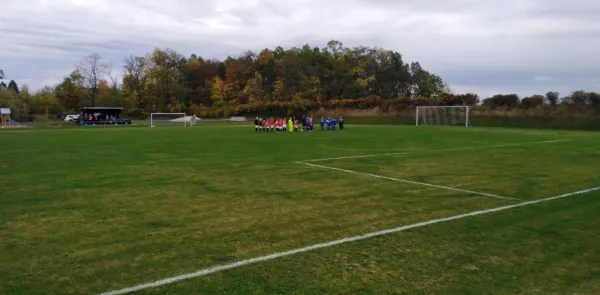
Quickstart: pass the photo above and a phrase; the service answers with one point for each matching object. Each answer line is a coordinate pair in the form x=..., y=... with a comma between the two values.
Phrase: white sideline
x=219, y=268
x=408, y=181
x=442, y=150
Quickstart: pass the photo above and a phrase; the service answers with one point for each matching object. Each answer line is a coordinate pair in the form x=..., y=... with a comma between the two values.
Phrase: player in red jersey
x=271, y=123
x=268, y=124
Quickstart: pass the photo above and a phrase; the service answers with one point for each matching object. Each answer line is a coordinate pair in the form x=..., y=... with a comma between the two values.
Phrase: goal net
x=169, y=120
x=443, y=116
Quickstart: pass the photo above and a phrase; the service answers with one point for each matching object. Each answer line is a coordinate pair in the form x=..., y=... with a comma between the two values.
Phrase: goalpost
x=168, y=119
x=443, y=116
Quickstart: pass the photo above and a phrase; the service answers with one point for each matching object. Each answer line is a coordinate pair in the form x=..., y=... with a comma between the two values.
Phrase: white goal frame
x=420, y=112
x=183, y=115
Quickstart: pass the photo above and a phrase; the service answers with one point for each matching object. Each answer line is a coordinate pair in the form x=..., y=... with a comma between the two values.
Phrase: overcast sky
x=487, y=47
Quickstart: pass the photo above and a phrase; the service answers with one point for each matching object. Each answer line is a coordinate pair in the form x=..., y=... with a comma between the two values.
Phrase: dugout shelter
x=102, y=116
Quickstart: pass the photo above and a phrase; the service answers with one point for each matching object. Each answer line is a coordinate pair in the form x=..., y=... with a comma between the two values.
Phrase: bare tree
x=114, y=82
x=92, y=70
x=446, y=89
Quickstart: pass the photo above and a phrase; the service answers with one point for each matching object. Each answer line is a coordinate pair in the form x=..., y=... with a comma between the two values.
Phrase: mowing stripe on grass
x=219, y=268
x=407, y=181
x=434, y=151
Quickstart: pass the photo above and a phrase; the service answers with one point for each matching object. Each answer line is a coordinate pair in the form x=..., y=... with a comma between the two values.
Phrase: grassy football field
x=87, y=211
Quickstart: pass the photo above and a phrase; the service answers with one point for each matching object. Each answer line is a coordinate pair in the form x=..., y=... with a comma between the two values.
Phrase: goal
x=443, y=116
x=169, y=119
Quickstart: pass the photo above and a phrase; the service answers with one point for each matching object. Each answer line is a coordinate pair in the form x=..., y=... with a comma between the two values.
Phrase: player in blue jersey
x=307, y=124
x=322, y=122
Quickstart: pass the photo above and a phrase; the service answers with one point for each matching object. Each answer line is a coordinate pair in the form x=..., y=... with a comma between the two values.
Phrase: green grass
x=84, y=211
x=557, y=121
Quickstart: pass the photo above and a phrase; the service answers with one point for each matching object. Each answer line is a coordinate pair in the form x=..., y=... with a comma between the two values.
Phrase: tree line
x=278, y=80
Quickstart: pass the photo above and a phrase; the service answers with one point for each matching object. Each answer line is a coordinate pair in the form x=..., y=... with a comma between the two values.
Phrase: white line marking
x=219, y=268
x=408, y=181
x=442, y=150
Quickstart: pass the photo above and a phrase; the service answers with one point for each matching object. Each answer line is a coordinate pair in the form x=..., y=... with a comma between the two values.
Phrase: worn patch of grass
x=89, y=210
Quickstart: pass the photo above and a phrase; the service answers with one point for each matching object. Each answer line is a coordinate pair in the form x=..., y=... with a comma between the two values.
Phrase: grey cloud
x=479, y=45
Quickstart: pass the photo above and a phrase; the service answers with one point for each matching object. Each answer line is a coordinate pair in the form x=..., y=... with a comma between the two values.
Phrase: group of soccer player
x=291, y=124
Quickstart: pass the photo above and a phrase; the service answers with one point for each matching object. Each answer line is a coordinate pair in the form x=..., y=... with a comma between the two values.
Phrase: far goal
x=443, y=116
x=169, y=120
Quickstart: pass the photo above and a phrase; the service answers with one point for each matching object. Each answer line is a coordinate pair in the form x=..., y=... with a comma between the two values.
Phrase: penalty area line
x=408, y=181
x=435, y=151
x=273, y=256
